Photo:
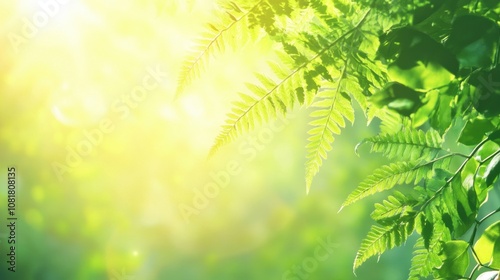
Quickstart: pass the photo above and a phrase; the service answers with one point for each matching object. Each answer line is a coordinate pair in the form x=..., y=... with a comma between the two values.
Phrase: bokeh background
x=124, y=208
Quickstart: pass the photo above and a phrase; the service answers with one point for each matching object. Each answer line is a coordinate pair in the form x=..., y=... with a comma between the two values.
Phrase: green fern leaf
x=453, y=204
x=439, y=231
x=265, y=103
x=394, y=208
x=380, y=239
x=423, y=261
x=354, y=89
x=407, y=144
x=302, y=80
x=428, y=247
x=300, y=84
x=390, y=122
x=213, y=40
x=388, y=176
x=333, y=107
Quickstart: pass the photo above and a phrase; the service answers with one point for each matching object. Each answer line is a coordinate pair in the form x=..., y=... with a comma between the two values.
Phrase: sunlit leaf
x=395, y=208
x=380, y=239
x=423, y=262
x=487, y=247
x=455, y=259
x=425, y=112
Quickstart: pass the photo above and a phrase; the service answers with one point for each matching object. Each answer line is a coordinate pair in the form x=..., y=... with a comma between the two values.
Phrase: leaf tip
x=356, y=149
x=308, y=185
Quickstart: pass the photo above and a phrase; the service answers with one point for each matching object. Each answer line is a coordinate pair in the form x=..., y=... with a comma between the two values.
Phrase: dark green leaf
x=399, y=98
x=474, y=39
x=494, y=136
x=422, y=13
x=493, y=170
x=421, y=63
x=486, y=91
x=474, y=131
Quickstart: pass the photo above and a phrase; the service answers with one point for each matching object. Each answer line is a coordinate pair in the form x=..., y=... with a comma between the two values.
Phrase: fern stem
x=325, y=49
x=489, y=157
x=437, y=159
x=488, y=216
x=474, y=254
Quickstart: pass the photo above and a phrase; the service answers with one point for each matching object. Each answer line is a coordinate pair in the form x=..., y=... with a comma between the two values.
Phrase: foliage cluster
x=428, y=70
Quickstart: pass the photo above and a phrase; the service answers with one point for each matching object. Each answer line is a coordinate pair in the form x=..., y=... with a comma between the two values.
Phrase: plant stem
x=462, y=166
x=488, y=216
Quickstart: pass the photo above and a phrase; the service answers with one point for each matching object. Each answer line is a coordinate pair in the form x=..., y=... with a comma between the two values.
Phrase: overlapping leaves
x=428, y=70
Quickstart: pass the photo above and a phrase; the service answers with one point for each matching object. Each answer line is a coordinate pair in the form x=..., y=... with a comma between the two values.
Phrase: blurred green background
x=122, y=207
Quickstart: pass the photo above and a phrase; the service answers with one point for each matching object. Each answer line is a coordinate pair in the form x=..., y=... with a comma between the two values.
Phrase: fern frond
x=213, y=40
x=380, y=239
x=438, y=232
x=332, y=108
x=302, y=81
x=453, y=204
x=267, y=100
x=407, y=144
x=423, y=261
x=428, y=247
x=393, y=208
x=386, y=177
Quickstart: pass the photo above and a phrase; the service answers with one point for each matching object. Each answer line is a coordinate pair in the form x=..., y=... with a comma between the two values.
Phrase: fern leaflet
x=394, y=208
x=407, y=144
x=261, y=106
x=333, y=106
x=390, y=122
x=252, y=112
x=214, y=38
x=386, y=177
x=380, y=239
x=423, y=261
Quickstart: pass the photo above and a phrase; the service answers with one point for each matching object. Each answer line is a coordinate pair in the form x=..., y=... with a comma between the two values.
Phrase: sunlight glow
x=193, y=106
x=72, y=71
x=169, y=113
x=78, y=106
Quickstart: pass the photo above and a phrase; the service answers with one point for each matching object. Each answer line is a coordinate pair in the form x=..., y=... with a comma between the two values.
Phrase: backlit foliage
x=428, y=70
